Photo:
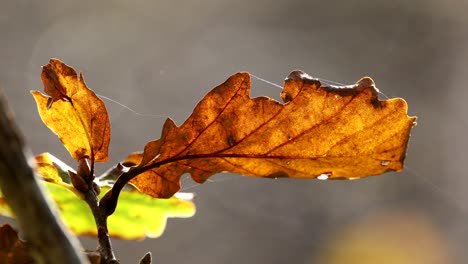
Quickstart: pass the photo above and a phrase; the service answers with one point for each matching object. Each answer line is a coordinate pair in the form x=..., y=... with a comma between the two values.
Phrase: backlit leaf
x=137, y=216
x=53, y=170
x=73, y=112
x=45, y=161
x=318, y=132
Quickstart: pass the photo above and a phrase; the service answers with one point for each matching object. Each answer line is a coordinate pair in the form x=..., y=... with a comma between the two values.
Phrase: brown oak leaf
x=323, y=132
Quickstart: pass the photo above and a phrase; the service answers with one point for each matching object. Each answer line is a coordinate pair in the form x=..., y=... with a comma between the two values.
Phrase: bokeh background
x=161, y=57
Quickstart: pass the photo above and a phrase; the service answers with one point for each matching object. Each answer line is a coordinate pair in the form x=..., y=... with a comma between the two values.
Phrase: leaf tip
x=245, y=76
x=169, y=124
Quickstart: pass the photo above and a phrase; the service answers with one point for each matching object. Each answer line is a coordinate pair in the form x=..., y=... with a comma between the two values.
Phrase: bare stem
x=100, y=217
x=109, y=201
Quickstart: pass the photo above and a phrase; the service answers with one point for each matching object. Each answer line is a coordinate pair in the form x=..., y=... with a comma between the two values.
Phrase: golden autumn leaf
x=73, y=112
x=53, y=170
x=319, y=131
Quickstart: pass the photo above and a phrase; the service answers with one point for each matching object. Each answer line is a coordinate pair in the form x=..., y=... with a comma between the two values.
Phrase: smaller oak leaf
x=55, y=171
x=323, y=132
x=73, y=112
x=52, y=169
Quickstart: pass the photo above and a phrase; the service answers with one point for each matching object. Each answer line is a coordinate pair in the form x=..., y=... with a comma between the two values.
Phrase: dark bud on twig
x=120, y=168
x=78, y=182
x=146, y=259
x=94, y=257
x=96, y=188
x=84, y=171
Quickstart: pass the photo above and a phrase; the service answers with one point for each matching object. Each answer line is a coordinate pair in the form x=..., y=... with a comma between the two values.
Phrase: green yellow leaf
x=137, y=215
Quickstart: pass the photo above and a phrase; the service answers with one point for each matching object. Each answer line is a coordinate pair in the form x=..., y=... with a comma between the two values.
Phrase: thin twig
x=109, y=200
x=100, y=217
x=49, y=240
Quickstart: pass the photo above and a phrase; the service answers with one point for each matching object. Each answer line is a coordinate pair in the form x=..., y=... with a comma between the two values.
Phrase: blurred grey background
x=161, y=57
